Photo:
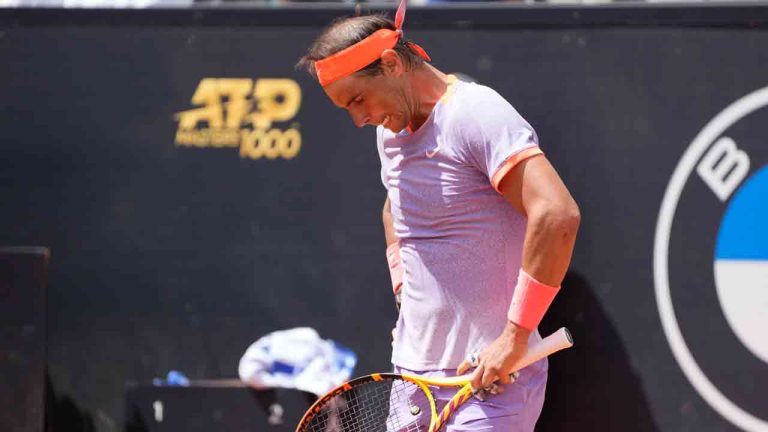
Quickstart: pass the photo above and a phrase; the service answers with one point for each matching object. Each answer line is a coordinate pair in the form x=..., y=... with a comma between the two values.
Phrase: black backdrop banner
x=198, y=192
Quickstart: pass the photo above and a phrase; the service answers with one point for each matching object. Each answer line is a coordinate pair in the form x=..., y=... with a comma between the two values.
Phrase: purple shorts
x=514, y=410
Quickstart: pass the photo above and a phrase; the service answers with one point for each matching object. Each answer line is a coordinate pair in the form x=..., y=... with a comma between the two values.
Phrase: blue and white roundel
x=741, y=263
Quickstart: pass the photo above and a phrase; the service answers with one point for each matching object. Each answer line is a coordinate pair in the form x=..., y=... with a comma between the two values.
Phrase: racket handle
x=551, y=344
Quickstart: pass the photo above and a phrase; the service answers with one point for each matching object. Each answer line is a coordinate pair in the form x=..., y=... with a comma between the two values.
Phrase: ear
x=391, y=63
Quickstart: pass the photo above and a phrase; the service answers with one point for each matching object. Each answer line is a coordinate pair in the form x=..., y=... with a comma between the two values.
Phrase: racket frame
x=419, y=381
x=557, y=341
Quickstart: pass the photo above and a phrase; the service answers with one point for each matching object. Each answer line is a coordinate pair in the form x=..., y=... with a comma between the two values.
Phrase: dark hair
x=345, y=32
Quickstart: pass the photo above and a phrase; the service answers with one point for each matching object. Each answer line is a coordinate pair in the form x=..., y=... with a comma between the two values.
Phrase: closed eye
x=357, y=99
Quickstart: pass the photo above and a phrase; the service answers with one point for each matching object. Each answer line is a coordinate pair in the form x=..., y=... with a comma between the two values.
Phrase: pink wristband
x=395, y=269
x=530, y=301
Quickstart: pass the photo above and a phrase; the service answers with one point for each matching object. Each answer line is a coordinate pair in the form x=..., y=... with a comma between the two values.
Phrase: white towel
x=296, y=358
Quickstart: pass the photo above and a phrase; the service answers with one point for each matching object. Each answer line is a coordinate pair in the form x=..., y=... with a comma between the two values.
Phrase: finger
x=490, y=375
x=474, y=359
x=477, y=378
x=479, y=395
x=514, y=376
x=495, y=389
x=504, y=379
x=471, y=361
x=463, y=367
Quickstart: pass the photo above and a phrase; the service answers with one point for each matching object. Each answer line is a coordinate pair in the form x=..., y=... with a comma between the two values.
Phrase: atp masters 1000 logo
x=711, y=262
x=240, y=113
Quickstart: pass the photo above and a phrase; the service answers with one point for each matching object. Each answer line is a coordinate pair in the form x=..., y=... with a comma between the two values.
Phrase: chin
x=395, y=127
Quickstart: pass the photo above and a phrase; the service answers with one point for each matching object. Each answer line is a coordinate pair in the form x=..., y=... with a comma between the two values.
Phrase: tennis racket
x=389, y=402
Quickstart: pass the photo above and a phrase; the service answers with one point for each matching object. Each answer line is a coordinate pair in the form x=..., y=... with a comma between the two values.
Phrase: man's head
x=346, y=32
x=362, y=75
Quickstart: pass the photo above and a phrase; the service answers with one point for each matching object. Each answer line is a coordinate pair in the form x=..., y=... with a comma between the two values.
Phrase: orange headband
x=353, y=58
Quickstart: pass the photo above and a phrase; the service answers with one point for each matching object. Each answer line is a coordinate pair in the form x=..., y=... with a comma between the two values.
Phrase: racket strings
x=409, y=409
x=375, y=406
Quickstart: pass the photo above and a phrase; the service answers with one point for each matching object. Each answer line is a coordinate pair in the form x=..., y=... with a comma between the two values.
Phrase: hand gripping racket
x=389, y=402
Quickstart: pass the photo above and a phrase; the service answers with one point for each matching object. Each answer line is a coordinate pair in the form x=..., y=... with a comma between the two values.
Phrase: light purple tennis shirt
x=460, y=240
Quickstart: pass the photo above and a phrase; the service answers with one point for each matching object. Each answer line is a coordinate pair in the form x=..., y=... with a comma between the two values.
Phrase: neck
x=428, y=85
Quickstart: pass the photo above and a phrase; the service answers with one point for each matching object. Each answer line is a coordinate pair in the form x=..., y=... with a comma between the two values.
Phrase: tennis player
x=479, y=226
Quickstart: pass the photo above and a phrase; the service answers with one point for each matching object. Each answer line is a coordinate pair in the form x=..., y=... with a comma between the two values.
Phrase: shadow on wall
x=63, y=415
x=592, y=386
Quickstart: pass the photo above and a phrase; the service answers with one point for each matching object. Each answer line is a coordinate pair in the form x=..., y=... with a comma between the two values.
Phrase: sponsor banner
x=711, y=262
x=239, y=113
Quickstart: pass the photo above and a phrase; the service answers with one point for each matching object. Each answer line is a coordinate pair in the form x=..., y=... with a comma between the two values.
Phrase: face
x=372, y=100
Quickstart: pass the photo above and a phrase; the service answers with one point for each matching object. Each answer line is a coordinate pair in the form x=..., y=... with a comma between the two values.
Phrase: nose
x=359, y=119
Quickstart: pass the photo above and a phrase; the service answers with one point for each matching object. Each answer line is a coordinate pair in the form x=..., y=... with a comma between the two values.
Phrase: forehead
x=345, y=89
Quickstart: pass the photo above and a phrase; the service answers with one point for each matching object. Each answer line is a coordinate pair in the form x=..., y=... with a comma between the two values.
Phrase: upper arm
x=533, y=186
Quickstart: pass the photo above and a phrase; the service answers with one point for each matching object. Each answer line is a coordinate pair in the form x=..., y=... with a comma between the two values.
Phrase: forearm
x=388, y=221
x=393, y=251
x=535, y=190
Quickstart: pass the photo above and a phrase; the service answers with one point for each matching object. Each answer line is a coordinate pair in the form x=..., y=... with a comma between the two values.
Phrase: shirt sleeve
x=496, y=136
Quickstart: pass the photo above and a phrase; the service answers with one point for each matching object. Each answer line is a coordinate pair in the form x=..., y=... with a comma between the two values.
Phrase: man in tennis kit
x=479, y=226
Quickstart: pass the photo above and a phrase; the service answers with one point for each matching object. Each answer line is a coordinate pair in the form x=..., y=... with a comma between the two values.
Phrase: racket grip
x=553, y=343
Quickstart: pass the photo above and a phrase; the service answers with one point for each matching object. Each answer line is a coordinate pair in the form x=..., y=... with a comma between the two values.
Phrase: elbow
x=386, y=211
x=572, y=218
x=386, y=217
x=387, y=208
x=559, y=219
x=566, y=223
